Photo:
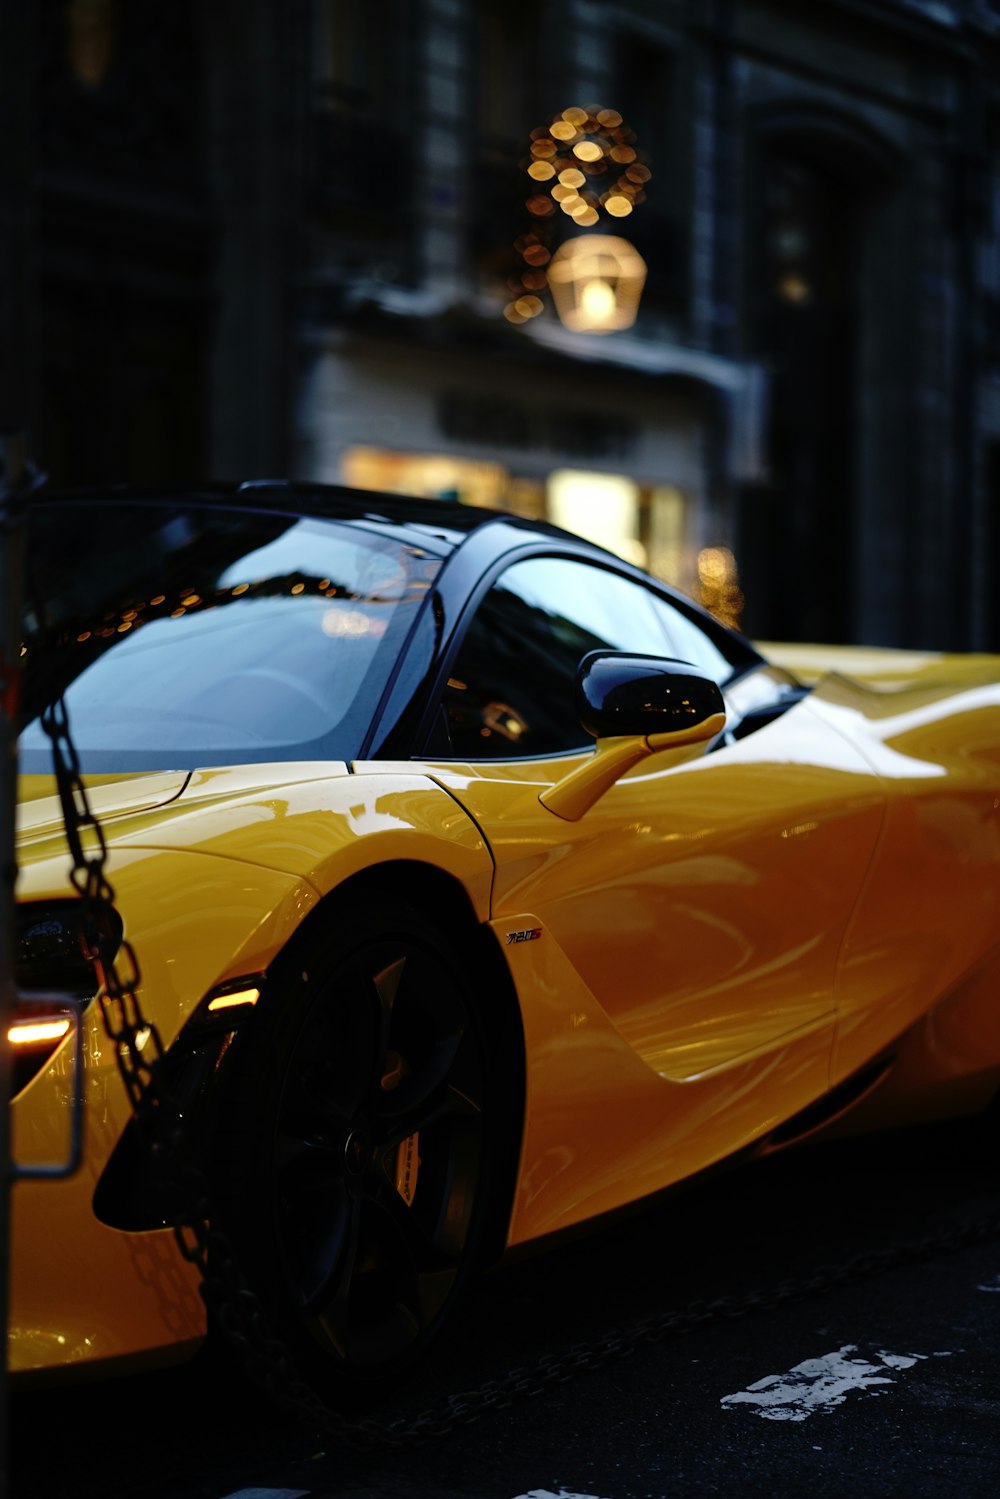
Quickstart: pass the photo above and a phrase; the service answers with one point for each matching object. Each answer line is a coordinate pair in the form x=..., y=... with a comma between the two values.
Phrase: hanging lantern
x=584, y=164
x=596, y=282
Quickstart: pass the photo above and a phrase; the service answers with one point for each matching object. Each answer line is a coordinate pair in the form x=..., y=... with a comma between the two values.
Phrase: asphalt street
x=880, y=1379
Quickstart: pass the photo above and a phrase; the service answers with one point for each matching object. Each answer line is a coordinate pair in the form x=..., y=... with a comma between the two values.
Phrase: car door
x=704, y=898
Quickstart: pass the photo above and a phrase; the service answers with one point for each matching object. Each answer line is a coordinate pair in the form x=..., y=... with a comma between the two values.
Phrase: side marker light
x=37, y=1032
x=229, y=1001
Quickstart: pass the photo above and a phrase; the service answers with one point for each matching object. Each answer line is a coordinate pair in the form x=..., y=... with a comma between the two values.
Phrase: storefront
x=634, y=462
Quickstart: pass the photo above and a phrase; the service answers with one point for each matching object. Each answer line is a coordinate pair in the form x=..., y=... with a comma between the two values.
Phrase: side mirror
x=618, y=694
x=635, y=706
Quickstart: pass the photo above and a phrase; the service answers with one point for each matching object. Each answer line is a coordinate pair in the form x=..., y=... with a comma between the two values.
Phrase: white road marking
x=995, y=1287
x=821, y=1384
x=548, y=1494
x=270, y=1494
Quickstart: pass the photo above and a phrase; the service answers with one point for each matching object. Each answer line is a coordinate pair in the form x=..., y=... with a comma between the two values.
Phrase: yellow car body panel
x=325, y=826
x=689, y=929
x=928, y=923
x=920, y=969
x=696, y=959
x=884, y=667
x=602, y=1128
x=211, y=886
x=145, y=1295
x=722, y=938
x=790, y=925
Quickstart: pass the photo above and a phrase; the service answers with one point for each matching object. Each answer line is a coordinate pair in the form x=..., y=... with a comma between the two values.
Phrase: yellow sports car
x=434, y=974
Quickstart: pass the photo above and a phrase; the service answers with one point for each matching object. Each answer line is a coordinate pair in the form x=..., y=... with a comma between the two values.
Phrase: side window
x=687, y=642
x=510, y=692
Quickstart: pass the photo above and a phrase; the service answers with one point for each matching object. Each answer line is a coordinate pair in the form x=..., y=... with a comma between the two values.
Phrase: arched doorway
x=813, y=180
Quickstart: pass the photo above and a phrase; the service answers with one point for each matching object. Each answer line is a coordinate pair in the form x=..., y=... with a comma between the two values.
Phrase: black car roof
x=447, y=520
x=471, y=543
x=444, y=527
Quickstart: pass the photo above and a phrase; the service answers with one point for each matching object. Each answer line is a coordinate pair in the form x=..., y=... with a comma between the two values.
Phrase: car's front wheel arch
x=441, y=897
x=412, y=932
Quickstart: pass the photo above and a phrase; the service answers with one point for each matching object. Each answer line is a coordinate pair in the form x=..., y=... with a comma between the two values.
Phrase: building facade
x=281, y=238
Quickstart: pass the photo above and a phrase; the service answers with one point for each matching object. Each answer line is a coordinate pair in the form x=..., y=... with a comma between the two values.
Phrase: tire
x=357, y=1170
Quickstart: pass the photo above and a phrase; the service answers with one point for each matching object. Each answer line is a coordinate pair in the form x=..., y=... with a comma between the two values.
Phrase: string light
x=583, y=165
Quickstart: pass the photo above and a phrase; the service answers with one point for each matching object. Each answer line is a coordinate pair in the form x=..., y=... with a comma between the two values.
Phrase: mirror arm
x=571, y=797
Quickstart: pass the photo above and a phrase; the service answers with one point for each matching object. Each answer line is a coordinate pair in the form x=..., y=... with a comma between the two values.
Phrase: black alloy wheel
x=371, y=1149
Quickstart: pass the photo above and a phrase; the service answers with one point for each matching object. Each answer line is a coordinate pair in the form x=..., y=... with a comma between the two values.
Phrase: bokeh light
x=571, y=167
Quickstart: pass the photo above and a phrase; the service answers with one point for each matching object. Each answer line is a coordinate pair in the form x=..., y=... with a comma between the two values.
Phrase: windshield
x=203, y=637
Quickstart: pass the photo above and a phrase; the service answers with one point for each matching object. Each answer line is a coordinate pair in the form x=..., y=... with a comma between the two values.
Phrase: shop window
x=604, y=508
x=442, y=476
x=669, y=555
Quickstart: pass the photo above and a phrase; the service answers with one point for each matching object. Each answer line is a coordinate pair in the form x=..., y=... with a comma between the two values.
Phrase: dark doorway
x=796, y=532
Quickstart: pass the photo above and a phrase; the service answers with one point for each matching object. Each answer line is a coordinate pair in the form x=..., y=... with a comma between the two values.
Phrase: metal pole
x=12, y=473
x=17, y=414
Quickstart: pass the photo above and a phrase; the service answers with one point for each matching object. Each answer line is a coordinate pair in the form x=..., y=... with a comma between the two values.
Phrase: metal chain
x=238, y=1309
x=139, y=1053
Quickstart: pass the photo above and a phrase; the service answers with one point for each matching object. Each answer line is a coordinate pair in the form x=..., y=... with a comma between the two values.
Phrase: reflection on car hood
x=115, y=797
x=881, y=667
x=40, y=813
